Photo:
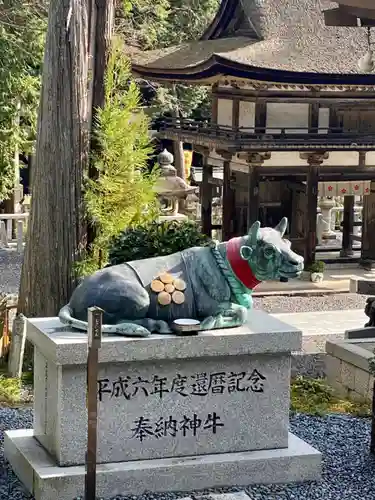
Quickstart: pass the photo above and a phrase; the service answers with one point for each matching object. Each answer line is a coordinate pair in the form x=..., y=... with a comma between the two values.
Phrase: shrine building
x=293, y=114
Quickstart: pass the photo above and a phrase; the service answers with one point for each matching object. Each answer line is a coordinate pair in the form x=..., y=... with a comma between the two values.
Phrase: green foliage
x=155, y=239
x=314, y=396
x=123, y=194
x=317, y=266
x=163, y=23
x=22, y=31
x=10, y=390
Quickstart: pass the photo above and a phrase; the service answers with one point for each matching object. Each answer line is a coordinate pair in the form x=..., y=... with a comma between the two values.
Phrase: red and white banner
x=360, y=188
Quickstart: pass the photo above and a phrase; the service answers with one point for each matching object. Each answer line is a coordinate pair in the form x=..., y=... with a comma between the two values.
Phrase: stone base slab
x=44, y=480
x=347, y=367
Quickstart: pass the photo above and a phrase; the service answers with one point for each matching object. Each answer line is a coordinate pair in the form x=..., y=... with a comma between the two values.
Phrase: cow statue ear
x=246, y=252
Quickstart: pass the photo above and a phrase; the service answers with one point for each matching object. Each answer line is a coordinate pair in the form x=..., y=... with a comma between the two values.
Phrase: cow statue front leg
x=230, y=315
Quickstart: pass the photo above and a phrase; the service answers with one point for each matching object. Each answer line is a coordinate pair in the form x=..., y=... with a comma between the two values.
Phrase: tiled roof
x=290, y=36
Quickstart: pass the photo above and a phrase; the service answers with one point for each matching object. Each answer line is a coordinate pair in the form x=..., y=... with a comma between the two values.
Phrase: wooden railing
x=6, y=230
x=287, y=138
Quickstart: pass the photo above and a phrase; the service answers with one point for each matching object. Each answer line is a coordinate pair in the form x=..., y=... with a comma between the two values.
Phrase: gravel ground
x=290, y=304
x=348, y=468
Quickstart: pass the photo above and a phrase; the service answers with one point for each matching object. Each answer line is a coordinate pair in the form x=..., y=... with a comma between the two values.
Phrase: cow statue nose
x=295, y=259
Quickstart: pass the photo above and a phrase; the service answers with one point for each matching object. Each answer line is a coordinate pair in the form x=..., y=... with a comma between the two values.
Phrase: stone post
x=255, y=161
x=314, y=160
x=326, y=204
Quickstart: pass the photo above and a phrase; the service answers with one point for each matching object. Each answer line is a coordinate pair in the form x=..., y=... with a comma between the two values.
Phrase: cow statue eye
x=268, y=252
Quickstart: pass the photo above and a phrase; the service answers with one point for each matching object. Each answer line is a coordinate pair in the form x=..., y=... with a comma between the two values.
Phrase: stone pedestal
x=175, y=413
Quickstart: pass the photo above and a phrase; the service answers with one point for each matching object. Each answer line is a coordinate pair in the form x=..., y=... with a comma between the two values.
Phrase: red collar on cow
x=239, y=266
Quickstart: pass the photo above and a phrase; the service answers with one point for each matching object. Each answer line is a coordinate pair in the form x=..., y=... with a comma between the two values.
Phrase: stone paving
x=318, y=327
x=336, y=279
x=325, y=322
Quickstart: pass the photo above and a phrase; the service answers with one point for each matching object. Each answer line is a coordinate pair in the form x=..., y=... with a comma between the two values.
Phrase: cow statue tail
x=126, y=328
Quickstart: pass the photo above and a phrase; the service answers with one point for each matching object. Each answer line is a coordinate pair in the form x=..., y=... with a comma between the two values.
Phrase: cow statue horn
x=253, y=233
x=281, y=226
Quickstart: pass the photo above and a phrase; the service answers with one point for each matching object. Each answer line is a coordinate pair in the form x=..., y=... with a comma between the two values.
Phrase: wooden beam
x=301, y=96
x=360, y=4
x=324, y=171
x=338, y=17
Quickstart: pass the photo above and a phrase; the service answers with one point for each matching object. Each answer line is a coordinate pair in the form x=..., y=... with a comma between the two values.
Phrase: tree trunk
x=55, y=231
x=102, y=35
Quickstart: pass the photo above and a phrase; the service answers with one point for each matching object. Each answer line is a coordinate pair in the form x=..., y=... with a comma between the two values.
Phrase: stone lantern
x=170, y=188
x=326, y=205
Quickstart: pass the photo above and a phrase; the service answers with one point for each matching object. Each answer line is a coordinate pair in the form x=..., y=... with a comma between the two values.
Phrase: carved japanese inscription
x=188, y=407
x=197, y=385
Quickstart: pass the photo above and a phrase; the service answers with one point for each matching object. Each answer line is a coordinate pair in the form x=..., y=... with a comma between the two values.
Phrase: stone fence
x=9, y=223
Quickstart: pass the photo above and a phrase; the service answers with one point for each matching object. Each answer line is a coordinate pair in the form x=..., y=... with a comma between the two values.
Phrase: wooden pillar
x=214, y=104
x=260, y=121
x=314, y=161
x=228, y=197
x=253, y=194
x=293, y=226
x=235, y=113
x=312, y=205
x=206, y=192
x=255, y=161
x=314, y=117
x=368, y=229
x=348, y=225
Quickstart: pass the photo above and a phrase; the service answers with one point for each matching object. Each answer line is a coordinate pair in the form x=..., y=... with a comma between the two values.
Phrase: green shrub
x=317, y=266
x=316, y=397
x=122, y=194
x=155, y=239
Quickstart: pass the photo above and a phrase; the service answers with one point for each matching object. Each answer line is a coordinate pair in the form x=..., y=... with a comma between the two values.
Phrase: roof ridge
x=231, y=20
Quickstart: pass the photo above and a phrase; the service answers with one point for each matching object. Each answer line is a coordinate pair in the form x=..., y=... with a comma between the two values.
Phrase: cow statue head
x=269, y=254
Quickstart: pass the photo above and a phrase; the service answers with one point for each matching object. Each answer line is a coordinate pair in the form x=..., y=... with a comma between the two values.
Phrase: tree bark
x=55, y=231
x=101, y=39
